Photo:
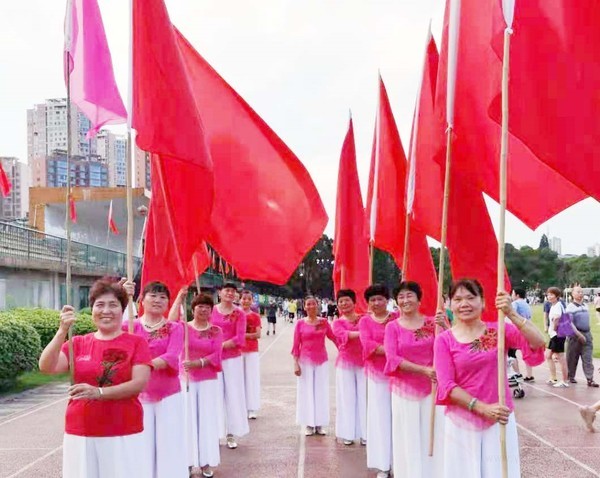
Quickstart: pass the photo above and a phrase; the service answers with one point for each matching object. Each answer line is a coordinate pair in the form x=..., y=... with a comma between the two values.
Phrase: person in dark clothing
x=271, y=316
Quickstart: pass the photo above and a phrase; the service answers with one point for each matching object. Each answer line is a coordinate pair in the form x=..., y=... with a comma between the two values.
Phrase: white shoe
x=231, y=443
x=561, y=385
x=310, y=431
x=320, y=431
x=348, y=442
x=383, y=474
x=363, y=442
x=252, y=415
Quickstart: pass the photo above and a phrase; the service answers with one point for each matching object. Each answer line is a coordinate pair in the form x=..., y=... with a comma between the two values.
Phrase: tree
x=544, y=243
x=435, y=254
x=385, y=269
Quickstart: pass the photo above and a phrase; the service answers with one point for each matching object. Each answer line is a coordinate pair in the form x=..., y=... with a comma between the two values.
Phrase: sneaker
x=348, y=442
x=588, y=415
x=383, y=474
x=529, y=379
x=561, y=385
x=592, y=384
x=252, y=415
x=268, y=332
x=363, y=442
x=273, y=332
x=320, y=431
x=572, y=380
x=231, y=443
x=207, y=472
x=310, y=431
x=552, y=382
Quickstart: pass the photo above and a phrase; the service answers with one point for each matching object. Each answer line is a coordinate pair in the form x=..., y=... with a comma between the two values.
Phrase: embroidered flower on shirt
x=161, y=333
x=233, y=316
x=207, y=333
x=488, y=341
x=425, y=332
x=110, y=358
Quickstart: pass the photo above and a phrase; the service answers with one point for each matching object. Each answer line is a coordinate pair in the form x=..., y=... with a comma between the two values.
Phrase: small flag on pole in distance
x=112, y=226
x=5, y=185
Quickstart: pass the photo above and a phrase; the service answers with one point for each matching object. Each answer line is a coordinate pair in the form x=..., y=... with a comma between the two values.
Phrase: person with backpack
x=556, y=345
x=581, y=343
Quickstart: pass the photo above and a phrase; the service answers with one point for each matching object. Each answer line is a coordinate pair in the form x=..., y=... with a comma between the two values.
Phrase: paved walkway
x=553, y=441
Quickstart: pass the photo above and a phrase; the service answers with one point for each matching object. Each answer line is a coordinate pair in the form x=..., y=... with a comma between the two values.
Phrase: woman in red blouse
x=250, y=355
x=104, y=417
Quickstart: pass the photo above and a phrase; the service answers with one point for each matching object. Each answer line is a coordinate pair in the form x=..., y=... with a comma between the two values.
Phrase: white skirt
x=164, y=438
x=252, y=380
x=351, y=403
x=410, y=436
x=476, y=453
x=102, y=457
x=203, y=423
x=233, y=411
x=379, y=425
x=312, y=395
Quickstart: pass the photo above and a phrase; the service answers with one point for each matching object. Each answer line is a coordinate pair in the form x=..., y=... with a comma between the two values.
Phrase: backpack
x=565, y=327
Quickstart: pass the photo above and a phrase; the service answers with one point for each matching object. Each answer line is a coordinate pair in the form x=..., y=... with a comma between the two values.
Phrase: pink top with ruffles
x=208, y=345
x=414, y=346
x=234, y=327
x=372, y=334
x=474, y=368
x=309, y=341
x=165, y=343
x=350, y=354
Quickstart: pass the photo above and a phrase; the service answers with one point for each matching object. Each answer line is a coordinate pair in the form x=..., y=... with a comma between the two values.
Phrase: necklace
x=201, y=329
x=158, y=325
x=382, y=320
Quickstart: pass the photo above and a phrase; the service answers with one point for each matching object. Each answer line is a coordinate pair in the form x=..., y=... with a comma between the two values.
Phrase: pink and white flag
x=89, y=66
x=112, y=225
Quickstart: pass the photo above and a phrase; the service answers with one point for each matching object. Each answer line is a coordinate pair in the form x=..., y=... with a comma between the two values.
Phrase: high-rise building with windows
x=11, y=205
x=113, y=148
x=555, y=245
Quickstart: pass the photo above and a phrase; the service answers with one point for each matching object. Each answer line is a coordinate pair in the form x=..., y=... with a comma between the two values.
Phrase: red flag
x=112, y=226
x=267, y=213
x=72, y=209
x=5, y=185
x=168, y=124
x=476, y=143
x=227, y=269
x=351, y=237
x=214, y=261
x=555, y=45
x=386, y=205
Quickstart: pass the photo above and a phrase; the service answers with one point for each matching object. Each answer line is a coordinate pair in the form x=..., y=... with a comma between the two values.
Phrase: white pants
x=252, y=380
x=476, y=453
x=101, y=457
x=312, y=395
x=164, y=452
x=203, y=423
x=234, y=414
x=379, y=425
x=351, y=403
x=410, y=435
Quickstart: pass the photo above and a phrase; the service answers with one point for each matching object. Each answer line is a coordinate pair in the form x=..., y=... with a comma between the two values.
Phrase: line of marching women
x=391, y=366
x=155, y=403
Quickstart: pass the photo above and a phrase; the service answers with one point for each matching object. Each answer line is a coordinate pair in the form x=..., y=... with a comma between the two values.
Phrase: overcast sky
x=300, y=64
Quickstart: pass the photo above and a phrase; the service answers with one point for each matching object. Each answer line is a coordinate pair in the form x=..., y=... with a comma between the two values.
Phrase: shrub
x=19, y=350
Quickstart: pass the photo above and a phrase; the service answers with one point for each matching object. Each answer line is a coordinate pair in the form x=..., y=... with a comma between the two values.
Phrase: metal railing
x=31, y=245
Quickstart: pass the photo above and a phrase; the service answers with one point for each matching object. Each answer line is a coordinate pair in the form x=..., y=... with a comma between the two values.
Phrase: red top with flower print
x=165, y=343
x=234, y=328
x=371, y=337
x=204, y=344
x=474, y=368
x=103, y=363
x=252, y=323
x=415, y=346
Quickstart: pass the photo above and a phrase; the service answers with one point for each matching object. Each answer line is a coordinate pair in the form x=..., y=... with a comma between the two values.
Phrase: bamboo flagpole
x=508, y=11
x=129, y=174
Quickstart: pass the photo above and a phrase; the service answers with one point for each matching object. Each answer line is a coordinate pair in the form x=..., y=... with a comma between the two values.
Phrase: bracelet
x=522, y=324
x=101, y=391
x=471, y=404
x=202, y=363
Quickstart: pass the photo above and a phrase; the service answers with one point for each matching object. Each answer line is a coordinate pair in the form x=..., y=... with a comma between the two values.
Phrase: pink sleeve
x=516, y=340
x=368, y=344
x=240, y=330
x=392, y=354
x=174, y=346
x=296, y=346
x=215, y=357
x=330, y=335
x=141, y=353
x=340, y=332
x=444, y=368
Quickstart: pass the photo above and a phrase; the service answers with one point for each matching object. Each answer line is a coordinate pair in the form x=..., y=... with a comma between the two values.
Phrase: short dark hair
x=554, y=290
x=377, y=289
x=228, y=285
x=202, y=299
x=347, y=293
x=108, y=286
x=410, y=286
x=246, y=292
x=156, y=287
x=519, y=291
x=308, y=297
x=472, y=285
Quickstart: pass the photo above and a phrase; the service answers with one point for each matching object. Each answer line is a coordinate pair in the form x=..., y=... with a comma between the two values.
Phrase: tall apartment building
x=86, y=171
x=556, y=245
x=11, y=205
x=113, y=148
x=141, y=169
x=594, y=251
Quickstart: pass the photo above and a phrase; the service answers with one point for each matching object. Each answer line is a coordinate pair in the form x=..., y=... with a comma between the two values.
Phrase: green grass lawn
x=34, y=379
x=538, y=319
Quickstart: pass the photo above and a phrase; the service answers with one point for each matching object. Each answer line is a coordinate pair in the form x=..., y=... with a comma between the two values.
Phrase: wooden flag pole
x=130, y=231
x=68, y=219
x=501, y=244
x=371, y=263
x=441, y=267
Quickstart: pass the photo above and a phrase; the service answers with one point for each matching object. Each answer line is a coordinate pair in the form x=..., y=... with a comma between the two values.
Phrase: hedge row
x=23, y=335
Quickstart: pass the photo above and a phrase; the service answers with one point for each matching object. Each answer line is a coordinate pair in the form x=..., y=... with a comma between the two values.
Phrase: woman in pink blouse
x=350, y=379
x=409, y=364
x=205, y=342
x=379, y=400
x=232, y=321
x=311, y=368
x=466, y=366
x=162, y=400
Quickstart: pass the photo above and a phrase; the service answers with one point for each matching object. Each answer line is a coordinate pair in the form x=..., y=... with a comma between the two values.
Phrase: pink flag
x=5, y=185
x=88, y=63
